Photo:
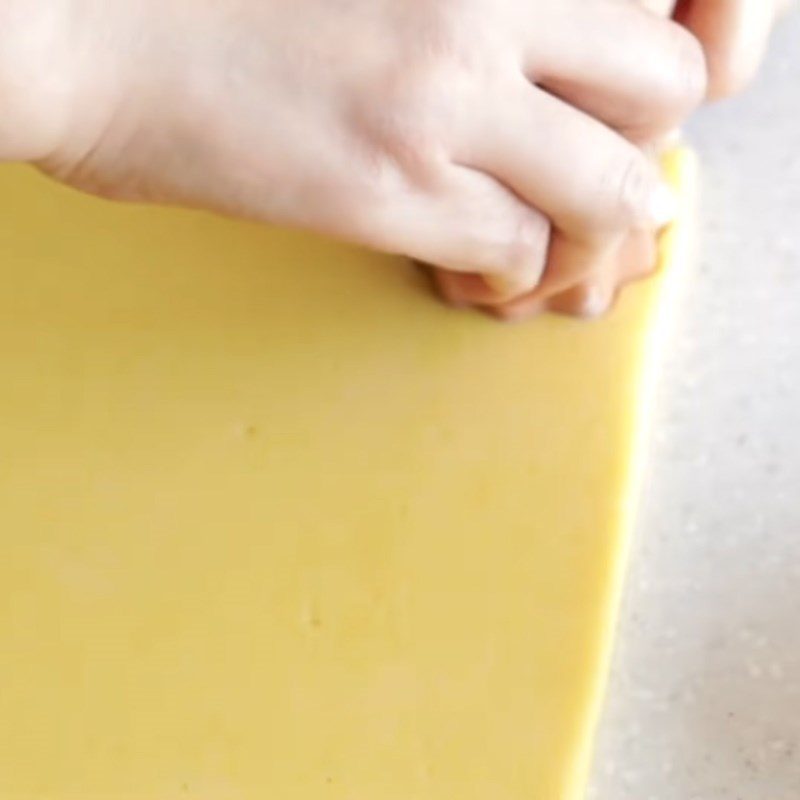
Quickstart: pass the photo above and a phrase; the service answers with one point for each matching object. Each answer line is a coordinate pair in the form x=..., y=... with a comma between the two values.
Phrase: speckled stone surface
x=704, y=700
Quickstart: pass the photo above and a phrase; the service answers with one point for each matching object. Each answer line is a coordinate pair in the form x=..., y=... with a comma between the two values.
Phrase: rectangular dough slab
x=278, y=526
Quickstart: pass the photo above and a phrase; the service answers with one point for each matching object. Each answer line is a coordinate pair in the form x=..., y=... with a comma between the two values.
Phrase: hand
x=484, y=136
x=734, y=34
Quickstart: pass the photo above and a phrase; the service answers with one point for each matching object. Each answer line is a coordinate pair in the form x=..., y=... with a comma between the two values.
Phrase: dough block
x=278, y=526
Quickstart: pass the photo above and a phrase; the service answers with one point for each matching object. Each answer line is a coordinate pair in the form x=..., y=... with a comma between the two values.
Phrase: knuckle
x=413, y=107
x=530, y=243
x=515, y=259
x=520, y=310
x=592, y=302
x=407, y=127
x=513, y=313
x=631, y=181
x=588, y=300
x=417, y=149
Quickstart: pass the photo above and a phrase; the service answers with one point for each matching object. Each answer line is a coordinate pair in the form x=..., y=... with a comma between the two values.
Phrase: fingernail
x=511, y=285
x=663, y=205
x=515, y=313
x=596, y=302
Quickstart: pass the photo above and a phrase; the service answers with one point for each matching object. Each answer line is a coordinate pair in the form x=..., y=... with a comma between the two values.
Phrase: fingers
x=588, y=300
x=637, y=72
x=540, y=193
x=734, y=35
x=599, y=191
x=586, y=178
x=468, y=224
x=464, y=289
x=637, y=258
x=634, y=258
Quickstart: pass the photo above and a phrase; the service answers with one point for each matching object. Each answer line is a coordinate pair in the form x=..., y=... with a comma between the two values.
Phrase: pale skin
x=734, y=35
x=506, y=142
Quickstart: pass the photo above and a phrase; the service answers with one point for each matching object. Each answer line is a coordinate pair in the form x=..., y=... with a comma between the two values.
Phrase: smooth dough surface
x=278, y=526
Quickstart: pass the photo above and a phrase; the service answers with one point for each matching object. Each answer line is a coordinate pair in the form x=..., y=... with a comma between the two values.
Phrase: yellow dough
x=278, y=526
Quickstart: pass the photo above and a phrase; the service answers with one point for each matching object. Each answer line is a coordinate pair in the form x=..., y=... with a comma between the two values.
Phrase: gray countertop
x=704, y=701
